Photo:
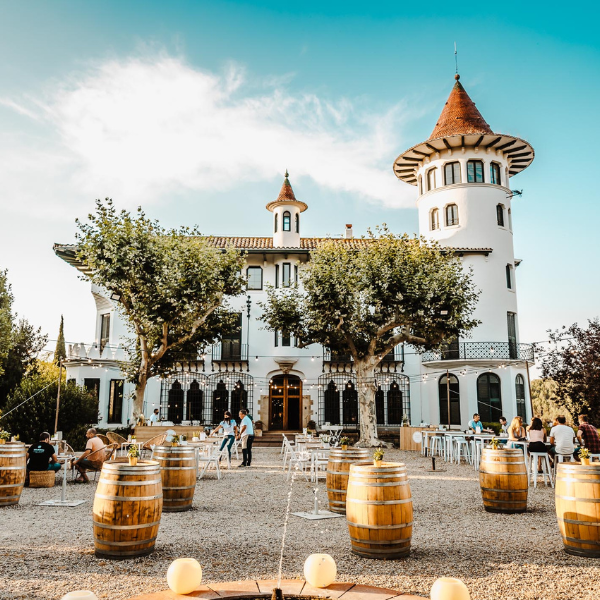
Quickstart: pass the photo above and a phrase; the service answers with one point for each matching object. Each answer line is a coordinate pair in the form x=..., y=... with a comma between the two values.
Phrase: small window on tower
x=452, y=173
x=431, y=179
x=287, y=221
x=495, y=174
x=435, y=219
x=451, y=215
x=297, y=222
x=420, y=185
x=500, y=215
x=474, y=171
x=276, y=222
x=509, y=277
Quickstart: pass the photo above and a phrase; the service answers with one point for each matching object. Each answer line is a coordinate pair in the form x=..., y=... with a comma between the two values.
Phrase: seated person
x=476, y=425
x=42, y=456
x=82, y=464
x=516, y=432
x=503, y=426
x=537, y=438
x=588, y=436
x=561, y=438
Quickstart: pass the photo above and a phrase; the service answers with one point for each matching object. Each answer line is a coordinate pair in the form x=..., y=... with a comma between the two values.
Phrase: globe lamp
x=184, y=575
x=80, y=595
x=320, y=570
x=449, y=588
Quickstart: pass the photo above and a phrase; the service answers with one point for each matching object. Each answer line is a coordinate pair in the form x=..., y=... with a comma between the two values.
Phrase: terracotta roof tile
x=286, y=193
x=460, y=115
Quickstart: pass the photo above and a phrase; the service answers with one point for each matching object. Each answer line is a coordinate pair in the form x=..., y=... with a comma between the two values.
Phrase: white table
x=63, y=460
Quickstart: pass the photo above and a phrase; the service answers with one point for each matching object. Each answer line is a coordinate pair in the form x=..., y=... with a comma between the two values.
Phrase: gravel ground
x=235, y=528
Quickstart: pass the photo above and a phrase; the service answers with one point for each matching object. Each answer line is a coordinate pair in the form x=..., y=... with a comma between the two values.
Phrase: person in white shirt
x=503, y=426
x=229, y=427
x=154, y=418
x=247, y=436
x=561, y=438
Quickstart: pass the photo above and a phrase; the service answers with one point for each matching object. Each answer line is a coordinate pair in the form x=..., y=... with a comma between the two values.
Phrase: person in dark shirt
x=42, y=456
x=588, y=435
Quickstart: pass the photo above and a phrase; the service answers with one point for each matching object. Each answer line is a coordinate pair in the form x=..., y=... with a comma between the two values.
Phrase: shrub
x=494, y=426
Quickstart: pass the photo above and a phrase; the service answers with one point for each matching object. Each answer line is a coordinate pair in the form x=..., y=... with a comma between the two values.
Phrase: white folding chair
x=211, y=457
x=318, y=464
x=298, y=460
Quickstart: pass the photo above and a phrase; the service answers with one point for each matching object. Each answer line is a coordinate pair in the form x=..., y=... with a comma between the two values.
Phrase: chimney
x=349, y=231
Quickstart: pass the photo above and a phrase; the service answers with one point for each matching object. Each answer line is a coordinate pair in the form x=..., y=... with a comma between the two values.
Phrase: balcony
x=340, y=363
x=481, y=351
x=230, y=354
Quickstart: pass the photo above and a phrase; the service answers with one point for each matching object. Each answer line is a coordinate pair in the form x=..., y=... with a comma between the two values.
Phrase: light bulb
x=184, y=575
x=320, y=570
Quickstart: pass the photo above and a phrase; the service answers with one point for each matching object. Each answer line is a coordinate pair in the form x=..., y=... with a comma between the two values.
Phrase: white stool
x=476, y=448
x=558, y=458
x=546, y=471
x=436, y=445
x=462, y=445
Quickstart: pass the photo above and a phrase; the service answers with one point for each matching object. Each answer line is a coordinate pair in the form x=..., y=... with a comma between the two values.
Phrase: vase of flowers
x=494, y=444
x=344, y=443
x=175, y=441
x=378, y=457
x=4, y=436
x=584, y=457
x=133, y=454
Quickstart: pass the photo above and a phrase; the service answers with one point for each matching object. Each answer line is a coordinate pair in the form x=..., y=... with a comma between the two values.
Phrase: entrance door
x=285, y=399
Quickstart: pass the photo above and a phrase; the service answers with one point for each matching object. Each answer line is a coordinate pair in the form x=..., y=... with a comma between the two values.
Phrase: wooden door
x=285, y=401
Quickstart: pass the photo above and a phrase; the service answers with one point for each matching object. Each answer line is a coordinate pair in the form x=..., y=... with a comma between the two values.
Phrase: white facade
x=488, y=371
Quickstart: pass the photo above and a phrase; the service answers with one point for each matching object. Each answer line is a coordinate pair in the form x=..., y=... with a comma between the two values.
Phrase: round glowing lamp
x=320, y=570
x=80, y=595
x=184, y=575
x=449, y=588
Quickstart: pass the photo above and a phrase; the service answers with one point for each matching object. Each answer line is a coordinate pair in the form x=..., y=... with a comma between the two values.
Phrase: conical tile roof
x=287, y=196
x=460, y=115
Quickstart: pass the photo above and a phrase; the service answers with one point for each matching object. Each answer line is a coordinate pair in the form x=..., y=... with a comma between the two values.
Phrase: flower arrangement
x=133, y=455
x=584, y=456
x=344, y=443
x=183, y=437
x=378, y=457
x=175, y=440
x=495, y=444
x=4, y=436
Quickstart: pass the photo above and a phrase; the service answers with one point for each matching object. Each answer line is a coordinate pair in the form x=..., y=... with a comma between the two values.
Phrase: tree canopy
x=172, y=285
x=574, y=365
x=365, y=302
x=6, y=300
x=60, y=352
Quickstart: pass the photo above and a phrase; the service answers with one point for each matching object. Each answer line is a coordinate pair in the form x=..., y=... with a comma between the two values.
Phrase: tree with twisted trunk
x=172, y=287
x=365, y=302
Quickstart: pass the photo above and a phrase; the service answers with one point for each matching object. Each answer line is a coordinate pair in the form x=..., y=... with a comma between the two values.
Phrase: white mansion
x=462, y=177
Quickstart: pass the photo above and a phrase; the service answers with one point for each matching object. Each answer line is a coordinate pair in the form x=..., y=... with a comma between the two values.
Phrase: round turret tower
x=286, y=217
x=462, y=174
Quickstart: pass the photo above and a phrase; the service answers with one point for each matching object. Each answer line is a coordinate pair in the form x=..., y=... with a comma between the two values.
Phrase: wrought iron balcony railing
x=394, y=356
x=482, y=351
x=230, y=351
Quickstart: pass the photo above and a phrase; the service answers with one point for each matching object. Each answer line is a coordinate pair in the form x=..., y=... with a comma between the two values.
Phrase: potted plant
x=195, y=436
x=584, y=456
x=378, y=457
x=405, y=422
x=495, y=444
x=312, y=426
x=175, y=441
x=344, y=443
x=133, y=454
x=4, y=436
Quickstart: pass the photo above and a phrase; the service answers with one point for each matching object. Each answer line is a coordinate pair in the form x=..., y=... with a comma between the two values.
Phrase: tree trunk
x=365, y=382
x=138, y=401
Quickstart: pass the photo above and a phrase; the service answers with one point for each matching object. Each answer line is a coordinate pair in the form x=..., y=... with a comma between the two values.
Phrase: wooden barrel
x=503, y=480
x=577, y=495
x=178, y=470
x=127, y=509
x=338, y=468
x=13, y=465
x=379, y=510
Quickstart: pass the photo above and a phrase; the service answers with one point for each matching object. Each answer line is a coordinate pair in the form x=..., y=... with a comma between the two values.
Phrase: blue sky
x=195, y=109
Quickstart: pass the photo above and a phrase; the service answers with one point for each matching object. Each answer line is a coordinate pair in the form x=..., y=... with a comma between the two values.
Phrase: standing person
x=561, y=438
x=42, y=456
x=82, y=464
x=154, y=418
x=230, y=431
x=247, y=435
x=588, y=435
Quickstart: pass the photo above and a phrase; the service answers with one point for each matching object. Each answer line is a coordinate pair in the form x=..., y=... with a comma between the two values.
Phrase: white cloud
x=139, y=129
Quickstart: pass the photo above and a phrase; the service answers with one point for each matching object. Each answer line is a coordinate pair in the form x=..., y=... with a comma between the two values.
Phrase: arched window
x=500, y=215
x=297, y=222
x=194, y=402
x=332, y=404
x=276, y=222
x=509, y=220
x=452, y=173
x=395, y=409
x=474, y=171
x=255, y=278
x=420, y=185
x=350, y=403
x=431, y=184
x=445, y=386
x=220, y=402
x=175, y=405
x=495, y=173
x=435, y=219
x=520, y=394
x=239, y=398
x=509, y=278
x=287, y=221
x=451, y=215
x=489, y=398
x=380, y=406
